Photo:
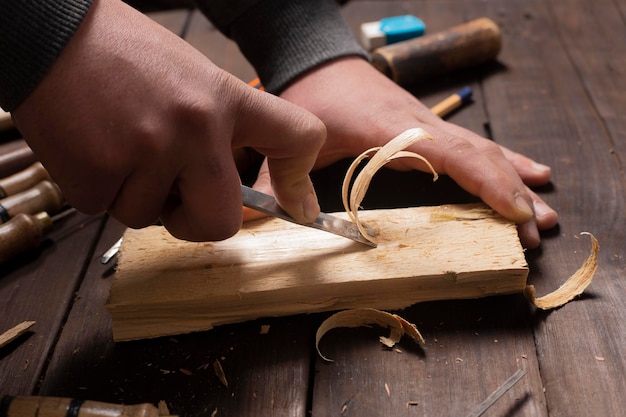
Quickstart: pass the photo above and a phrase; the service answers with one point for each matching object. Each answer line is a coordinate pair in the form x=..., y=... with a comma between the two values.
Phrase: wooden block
x=165, y=286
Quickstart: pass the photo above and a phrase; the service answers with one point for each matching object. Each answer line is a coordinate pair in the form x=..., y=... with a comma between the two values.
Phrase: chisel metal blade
x=267, y=204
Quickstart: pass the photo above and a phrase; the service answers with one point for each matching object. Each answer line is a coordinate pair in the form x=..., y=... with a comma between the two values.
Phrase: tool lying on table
x=15, y=155
x=45, y=196
x=25, y=232
x=66, y=407
x=463, y=46
x=23, y=180
x=267, y=204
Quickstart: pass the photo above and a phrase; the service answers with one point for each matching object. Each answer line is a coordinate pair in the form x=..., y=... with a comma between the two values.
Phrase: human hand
x=133, y=120
x=362, y=109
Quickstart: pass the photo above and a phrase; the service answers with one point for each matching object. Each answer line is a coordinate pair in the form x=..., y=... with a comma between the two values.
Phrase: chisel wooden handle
x=66, y=407
x=45, y=196
x=14, y=156
x=22, y=233
x=463, y=46
x=23, y=180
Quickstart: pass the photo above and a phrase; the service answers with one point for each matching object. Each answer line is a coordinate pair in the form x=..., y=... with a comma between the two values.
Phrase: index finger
x=291, y=138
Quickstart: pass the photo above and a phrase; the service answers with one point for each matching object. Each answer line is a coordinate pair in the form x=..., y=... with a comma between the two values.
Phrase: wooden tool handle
x=14, y=156
x=66, y=407
x=22, y=233
x=45, y=196
x=463, y=46
x=23, y=180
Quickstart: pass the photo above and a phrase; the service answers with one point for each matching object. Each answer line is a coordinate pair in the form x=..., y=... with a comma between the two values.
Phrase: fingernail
x=542, y=210
x=545, y=216
x=311, y=208
x=524, y=207
x=540, y=167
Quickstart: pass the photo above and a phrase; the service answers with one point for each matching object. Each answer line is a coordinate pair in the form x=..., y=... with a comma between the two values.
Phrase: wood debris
x=219, y=371
x=14, y=332
x=163, y=409
x=573, y=287
x=366, y=317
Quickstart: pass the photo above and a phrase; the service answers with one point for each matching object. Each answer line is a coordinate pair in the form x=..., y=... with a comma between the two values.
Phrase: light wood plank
x=272, y=268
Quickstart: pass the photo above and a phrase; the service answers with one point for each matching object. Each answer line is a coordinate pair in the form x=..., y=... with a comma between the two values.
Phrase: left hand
x=361, y=109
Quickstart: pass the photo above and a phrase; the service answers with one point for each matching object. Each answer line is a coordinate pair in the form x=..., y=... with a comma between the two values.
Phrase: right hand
x=133, y=120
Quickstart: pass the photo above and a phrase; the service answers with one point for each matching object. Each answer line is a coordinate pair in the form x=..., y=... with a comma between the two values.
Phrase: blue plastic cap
x=465, y=94
x=402, y=28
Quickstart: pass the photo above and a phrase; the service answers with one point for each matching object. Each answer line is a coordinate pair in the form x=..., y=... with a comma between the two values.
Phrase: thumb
x=290, y=137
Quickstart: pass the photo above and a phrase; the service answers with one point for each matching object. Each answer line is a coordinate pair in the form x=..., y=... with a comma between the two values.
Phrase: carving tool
x=15, y=155
x=23, y=406
x=45, y=196
x=267, y=204
x=23, y=180
x=495, y=396
x=460, y=47
x=25, y=232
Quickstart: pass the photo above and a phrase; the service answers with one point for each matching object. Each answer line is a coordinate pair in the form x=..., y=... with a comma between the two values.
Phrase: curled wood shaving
x=366, y=317
x=380, y=156
x=573, y=287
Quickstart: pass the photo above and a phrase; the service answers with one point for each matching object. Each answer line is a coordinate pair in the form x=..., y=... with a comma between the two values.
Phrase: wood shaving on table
x=15, y=332
x=366, y=317
x=573, y=286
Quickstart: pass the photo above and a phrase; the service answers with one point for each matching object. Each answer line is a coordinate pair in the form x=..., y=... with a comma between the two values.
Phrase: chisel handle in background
x=14, y=156
x=463, y=46
x=23, y=180
x=63, y=407
x=45, y=196
x=22, y=233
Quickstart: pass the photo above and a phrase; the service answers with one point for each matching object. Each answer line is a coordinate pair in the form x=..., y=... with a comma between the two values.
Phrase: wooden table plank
x=541, y=107
x=40, y=286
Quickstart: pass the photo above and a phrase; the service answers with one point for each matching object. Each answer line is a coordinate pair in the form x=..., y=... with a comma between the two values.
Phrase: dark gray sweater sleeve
x=283, y=39
x=32, y=35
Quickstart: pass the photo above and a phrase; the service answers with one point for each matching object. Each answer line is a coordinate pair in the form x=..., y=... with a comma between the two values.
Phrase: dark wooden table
x=556, y=94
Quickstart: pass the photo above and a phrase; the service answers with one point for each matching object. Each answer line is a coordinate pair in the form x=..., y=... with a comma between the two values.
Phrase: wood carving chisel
x=267, y=204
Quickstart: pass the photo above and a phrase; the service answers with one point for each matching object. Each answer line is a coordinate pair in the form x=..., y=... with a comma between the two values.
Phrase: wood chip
x=14, y=332
x=163, y=409
x=380, y=156
x=366, y=317
x=219, y=371
x=573, y=287
x=265, y=329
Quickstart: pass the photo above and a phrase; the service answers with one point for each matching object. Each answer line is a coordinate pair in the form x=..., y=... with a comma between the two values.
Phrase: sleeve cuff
x=32, y=36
